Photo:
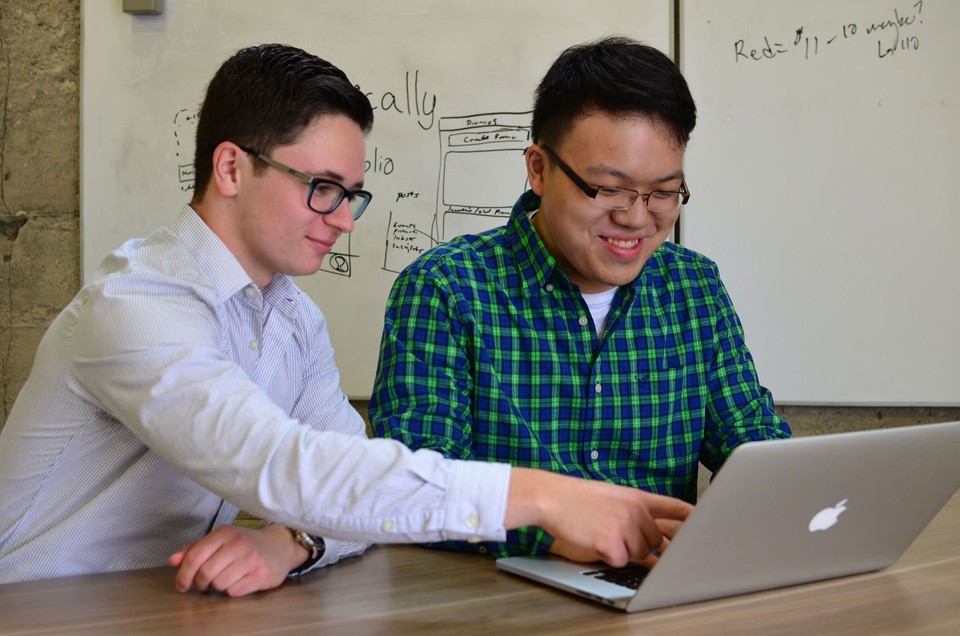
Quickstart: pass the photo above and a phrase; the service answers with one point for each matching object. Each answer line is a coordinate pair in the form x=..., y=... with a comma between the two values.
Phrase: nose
x=341, y=218
x=637, y=215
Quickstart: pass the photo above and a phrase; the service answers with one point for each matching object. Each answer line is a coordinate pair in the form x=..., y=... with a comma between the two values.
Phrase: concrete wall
x=39, y=202
x=39, y=176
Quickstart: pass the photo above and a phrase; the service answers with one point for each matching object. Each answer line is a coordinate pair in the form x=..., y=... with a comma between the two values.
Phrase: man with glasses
x=575, y=338
x=192, y=378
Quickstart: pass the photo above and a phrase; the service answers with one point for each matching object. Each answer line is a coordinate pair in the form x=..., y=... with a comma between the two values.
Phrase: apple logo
x=827, y=517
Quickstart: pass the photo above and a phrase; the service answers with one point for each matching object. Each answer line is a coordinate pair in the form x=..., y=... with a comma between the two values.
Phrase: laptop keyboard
x=628, y=576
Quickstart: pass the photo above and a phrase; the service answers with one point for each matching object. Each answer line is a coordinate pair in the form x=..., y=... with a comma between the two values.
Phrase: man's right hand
x=593, y=520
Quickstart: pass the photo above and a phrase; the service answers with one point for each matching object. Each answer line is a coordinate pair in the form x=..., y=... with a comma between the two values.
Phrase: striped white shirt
x=172, y=391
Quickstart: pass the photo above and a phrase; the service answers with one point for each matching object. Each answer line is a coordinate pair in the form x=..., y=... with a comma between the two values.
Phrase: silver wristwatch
x=315, y=547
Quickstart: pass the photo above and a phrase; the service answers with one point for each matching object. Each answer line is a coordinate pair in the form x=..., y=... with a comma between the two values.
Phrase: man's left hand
x=238, y=561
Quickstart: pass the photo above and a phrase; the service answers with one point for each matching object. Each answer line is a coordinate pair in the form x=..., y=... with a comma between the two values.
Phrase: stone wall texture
x=39, y=176
x=40, y=195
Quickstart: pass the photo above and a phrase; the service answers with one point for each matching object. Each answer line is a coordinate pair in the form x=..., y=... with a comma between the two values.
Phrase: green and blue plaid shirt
x=490, y=353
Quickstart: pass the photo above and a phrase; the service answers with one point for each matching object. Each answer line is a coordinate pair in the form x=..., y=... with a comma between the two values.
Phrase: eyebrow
x=334, y=176
x=613, y=172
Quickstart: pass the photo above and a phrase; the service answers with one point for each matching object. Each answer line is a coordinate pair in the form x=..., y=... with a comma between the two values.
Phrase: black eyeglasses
x=324, y=195
x=657, y=201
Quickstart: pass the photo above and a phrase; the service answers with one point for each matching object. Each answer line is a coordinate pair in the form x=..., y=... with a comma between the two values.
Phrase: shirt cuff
x=476, y=503
x=337, y=550
x=334, y=550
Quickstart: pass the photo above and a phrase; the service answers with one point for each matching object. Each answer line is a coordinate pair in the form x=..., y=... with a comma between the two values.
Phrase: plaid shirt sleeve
x=739, y=406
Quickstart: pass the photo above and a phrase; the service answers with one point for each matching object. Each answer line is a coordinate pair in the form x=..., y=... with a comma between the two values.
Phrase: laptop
x=781, y=513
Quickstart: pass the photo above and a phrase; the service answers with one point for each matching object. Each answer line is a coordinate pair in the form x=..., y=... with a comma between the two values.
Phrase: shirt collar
x=222, y=268
x=536, y=267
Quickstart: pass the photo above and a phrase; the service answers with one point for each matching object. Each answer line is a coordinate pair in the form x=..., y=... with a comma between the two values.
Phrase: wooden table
x=406, y=589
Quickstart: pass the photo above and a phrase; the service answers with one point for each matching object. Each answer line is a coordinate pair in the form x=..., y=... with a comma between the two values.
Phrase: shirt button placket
x=252, y=293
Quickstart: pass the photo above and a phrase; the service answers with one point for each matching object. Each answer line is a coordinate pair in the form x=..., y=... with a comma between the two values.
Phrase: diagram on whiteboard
x=481, y=176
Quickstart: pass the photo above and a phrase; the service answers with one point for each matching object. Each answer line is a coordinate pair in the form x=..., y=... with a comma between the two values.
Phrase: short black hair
x=614, y=75
x=265, y=96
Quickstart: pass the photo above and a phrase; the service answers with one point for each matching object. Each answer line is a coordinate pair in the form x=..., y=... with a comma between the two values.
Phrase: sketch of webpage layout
x=482, y=173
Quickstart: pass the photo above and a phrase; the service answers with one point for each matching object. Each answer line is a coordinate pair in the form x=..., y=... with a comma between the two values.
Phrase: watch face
x=314, y=545
x=307, y=542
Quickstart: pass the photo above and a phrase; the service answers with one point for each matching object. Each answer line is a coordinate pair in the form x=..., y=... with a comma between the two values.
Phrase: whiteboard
x=451, y=83
x=823, y=170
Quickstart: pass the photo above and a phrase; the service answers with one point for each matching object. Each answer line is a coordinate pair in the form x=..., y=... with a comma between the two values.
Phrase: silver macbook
x=781, y=513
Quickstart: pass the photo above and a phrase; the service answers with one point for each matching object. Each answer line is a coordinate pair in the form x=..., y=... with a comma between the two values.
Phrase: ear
x=226, y=170
x=536, y=165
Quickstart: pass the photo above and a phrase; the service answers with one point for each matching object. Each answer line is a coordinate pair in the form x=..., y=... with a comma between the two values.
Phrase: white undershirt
x=599, y=306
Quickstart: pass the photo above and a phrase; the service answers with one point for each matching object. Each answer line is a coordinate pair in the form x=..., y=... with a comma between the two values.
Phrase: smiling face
x=271, y=229
x=597, y=248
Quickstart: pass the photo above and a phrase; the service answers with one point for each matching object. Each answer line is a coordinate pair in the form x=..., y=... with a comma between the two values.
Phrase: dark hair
x=614, y=75
x=265, y=96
